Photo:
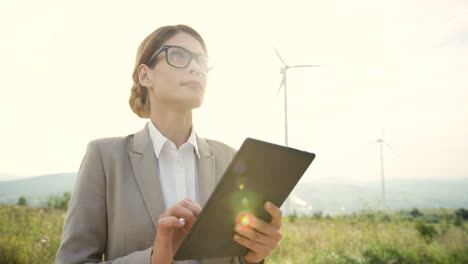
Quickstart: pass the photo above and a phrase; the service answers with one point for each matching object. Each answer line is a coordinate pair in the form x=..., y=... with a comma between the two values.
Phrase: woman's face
x=180, y=88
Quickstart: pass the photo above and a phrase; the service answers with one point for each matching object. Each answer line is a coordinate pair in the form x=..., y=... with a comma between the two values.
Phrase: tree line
x=55, y=201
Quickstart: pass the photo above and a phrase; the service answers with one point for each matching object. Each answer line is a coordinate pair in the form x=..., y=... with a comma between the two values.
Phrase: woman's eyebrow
x=203, y=53
x=196, y=53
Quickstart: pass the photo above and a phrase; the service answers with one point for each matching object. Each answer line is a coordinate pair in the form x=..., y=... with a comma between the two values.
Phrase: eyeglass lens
x=180, y=58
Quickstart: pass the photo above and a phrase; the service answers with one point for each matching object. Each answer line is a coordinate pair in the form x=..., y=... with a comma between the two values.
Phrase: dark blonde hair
x=139, y=97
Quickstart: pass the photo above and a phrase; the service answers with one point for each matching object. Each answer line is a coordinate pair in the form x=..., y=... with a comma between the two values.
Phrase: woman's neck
x=175, y=125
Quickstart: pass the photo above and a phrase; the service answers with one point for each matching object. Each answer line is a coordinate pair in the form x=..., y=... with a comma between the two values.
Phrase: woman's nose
x=194, y=67
x=198, y=73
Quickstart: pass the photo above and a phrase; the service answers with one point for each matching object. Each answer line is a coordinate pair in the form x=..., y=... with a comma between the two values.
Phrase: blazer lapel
x=145, y=171
x=206, y=171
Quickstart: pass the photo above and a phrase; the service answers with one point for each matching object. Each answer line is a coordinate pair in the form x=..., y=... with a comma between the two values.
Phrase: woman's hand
x=171, y=232
x=260, y=237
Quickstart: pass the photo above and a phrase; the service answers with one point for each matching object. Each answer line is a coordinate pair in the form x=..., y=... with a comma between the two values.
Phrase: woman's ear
x=144, y=76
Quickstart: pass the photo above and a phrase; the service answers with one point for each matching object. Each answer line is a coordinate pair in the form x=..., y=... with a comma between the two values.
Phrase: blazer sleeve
x=84, y=236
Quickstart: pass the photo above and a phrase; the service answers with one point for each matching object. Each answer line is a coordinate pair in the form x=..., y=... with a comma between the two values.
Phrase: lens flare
x=245, y=220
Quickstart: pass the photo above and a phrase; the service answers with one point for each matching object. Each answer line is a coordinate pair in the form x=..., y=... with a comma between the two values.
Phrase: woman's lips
x=193, y=84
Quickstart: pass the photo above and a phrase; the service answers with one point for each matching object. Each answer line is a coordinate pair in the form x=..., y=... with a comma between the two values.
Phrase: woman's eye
x=179, y=54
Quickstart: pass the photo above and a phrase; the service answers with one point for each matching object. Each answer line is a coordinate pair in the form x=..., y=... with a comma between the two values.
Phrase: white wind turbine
x=283, y=71
x=382, y=142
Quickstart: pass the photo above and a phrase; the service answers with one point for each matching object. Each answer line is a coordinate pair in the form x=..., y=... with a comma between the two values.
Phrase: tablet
x=259, y=172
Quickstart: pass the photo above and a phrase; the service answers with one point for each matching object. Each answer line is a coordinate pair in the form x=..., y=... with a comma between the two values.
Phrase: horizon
x=302, y=181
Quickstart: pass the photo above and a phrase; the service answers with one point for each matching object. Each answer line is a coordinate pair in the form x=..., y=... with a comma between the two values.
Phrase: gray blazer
x=117, y=199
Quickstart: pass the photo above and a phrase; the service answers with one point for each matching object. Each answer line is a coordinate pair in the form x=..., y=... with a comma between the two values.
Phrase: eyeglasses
x=179, y=57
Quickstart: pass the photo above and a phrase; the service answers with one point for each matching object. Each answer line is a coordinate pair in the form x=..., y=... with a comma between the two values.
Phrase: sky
x=401, y=66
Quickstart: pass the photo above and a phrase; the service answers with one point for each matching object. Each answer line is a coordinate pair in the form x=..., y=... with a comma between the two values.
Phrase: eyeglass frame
x=166, y=47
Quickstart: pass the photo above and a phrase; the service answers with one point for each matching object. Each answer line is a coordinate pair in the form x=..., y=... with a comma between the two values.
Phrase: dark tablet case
x=267, y=172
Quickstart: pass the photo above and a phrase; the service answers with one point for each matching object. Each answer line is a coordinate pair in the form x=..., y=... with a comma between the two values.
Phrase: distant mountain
x=36, y=189
x=306, y=198
x=336, y=198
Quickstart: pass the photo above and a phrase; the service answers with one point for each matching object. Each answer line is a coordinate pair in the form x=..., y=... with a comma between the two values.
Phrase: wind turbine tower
x=283, y=71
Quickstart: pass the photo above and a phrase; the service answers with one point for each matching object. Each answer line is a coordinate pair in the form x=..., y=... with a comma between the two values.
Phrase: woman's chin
x=191, y=103
x=196, y=104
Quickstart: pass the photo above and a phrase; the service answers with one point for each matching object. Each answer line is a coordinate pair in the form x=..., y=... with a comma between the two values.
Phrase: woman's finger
x=191, y=205
x=192, y=201
x=275, y=213
x=181, y=212
x=256, y=236
x=169, y=222
x=258, y=248
x=267, y=228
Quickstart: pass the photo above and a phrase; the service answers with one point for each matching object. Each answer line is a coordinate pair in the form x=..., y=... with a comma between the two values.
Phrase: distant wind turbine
x=382, y=142
x=283, y=71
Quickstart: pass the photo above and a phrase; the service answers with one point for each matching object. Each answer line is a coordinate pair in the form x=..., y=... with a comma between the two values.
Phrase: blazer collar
x=142, y=141
x=144, y=165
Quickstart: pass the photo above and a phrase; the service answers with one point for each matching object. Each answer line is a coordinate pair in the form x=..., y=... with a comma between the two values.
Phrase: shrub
x=317, y=215
x=384, y=218
x=431, y=218
x=462, y=213
x=415, y=212
x=459, y=256
x=407, y=217
x=458, y=221
x=382, y=254
x=22, y=201
x=370, y=216
x=59, y=201
x=427, y=231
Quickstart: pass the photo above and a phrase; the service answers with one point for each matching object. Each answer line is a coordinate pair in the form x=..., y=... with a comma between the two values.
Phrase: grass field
x=29, y=235
x=341, y=240
x=32, y=235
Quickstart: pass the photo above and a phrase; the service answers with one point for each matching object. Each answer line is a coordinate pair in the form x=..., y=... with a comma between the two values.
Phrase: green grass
x=363, y=240
x=29, y=235
x=32, y=235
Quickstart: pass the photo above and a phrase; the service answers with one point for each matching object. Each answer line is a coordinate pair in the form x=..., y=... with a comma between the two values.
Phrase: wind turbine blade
x=393, y=150
x=306, y=66
x=277, y=53
x=370, y=143
x=281, y=84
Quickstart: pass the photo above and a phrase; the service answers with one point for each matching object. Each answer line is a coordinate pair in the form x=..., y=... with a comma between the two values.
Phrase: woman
x=129, y=187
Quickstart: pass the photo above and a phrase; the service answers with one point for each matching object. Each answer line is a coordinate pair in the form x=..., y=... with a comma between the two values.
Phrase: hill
x=337, y=198
x=36, y=189
x=326, y=196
